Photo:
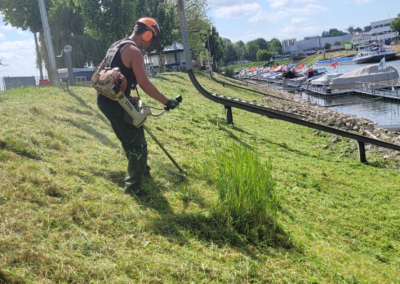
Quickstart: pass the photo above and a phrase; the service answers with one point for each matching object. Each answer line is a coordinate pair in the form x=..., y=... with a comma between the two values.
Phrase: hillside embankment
x=316, y=113
x=64, y=217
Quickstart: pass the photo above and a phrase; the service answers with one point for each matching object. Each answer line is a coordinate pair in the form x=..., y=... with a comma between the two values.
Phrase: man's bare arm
x=136, y=60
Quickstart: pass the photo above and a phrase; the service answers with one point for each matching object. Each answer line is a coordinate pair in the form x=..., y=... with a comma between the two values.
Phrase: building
x=381, y=29
x=288, y=42
x=238, y=62
x=80, y=74
x=172, y=57
x=312, y=43
x=362, y=38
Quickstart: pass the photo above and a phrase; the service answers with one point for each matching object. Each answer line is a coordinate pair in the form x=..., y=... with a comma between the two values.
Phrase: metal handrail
x=230, y=103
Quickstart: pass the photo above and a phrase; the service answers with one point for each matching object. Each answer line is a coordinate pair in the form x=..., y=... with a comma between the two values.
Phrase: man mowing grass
x=129, y=59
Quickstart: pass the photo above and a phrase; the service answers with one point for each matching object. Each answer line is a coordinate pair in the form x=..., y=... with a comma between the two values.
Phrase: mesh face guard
x=155, y=42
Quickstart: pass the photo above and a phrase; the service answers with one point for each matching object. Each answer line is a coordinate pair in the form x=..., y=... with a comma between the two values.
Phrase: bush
x=248, y=201
x=263, y=55
x=327, y=46
x=229, y=72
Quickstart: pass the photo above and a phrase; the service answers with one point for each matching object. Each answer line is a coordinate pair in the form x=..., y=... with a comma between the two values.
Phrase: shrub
x=263, y=55
x=229, y=72
x=248, y=201
x=327, y=46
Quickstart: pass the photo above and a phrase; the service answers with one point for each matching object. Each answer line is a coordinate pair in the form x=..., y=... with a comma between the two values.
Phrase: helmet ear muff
x=147, y=36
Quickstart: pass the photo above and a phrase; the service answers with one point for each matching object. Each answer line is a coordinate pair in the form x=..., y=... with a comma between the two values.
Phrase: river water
x=380, y=111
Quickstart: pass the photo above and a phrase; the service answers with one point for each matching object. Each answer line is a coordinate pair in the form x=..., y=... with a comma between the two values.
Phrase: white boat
x=373, y=53
x=325, y=80
x=366, y=75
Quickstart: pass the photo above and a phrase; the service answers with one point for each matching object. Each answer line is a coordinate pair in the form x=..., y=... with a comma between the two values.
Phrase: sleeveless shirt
x=126, y=71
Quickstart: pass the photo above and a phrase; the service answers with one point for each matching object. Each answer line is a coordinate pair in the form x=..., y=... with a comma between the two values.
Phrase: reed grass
x=248, y=200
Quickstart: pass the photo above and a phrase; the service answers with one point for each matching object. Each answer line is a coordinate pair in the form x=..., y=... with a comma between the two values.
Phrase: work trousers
x=134, y=144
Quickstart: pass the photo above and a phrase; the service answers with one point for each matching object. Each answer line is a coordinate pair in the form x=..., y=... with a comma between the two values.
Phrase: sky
x=234, y=19
x=283, y=19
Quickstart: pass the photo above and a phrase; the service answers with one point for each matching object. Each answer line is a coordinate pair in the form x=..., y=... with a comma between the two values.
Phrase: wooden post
x=229, y=117
x=361, y=152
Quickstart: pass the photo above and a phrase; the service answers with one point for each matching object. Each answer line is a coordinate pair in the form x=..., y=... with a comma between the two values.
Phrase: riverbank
x=64, y=218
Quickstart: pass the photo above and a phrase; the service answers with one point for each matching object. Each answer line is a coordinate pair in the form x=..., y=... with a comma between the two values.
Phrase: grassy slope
x=64, y=218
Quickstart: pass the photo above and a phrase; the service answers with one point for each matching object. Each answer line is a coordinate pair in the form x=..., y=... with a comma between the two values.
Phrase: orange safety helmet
x=153, y=29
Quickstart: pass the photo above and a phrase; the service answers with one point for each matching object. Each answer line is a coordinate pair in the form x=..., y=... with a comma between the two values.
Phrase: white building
x=362, y=38
x=381, y=29
x=313, y=43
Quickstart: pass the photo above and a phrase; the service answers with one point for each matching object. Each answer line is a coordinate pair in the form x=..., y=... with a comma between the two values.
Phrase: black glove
x=172, y=103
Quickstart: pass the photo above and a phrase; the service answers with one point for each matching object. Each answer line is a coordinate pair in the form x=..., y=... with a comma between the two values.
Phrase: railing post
x=361, y=152
x=229, y=116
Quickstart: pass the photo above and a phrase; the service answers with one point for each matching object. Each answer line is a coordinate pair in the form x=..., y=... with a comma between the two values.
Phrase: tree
x=263, y=55
x=251, y=50
x=108, y=20
x=198, y=25
x=262, y=43
x=350, y=29
x=395, y=26
x=358, y=30
x=367, y=28
x=334, y=32
x=327, y=46
x=230, y=53
x=68, y=27
x=216, y=48
x=25, y=14
x=240, y=49
x=337, y=43
x=276, y=46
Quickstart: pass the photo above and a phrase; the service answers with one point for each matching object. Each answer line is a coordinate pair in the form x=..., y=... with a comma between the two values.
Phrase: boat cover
x=367, y=74
x=324, y=80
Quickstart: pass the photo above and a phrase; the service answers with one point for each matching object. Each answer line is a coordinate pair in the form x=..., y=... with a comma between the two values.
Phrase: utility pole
x=49, y=43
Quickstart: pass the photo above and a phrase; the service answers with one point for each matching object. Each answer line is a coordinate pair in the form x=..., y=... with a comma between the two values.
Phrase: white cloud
x=25, y=46
x=298, y=20
x=10, y=56
x=284, y=3
x=225, y=3
x=237, y=11
x=362, y=2
x=21, y=32
x=1, y=36
x=310, y=9
x=7, y=28
x=263, y=16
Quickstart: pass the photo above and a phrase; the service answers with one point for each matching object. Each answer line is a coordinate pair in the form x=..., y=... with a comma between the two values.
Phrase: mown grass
x=64, y=218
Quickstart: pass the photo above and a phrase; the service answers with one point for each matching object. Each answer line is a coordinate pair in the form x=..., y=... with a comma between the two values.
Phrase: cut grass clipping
x=248, y=201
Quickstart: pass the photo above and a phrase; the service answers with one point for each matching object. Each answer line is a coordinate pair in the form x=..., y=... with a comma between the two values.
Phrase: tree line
x=254, y=50
x=91, y=26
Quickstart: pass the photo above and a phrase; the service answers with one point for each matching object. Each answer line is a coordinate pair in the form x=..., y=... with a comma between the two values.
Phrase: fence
x=18, y=82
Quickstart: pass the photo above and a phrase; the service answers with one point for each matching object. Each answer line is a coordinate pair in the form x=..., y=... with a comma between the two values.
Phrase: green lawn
x=65, y=219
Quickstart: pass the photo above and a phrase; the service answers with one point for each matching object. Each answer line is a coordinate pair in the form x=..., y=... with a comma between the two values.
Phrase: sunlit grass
x=64, y=217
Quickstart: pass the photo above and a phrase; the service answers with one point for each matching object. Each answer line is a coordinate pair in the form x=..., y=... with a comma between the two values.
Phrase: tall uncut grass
x=248, y=201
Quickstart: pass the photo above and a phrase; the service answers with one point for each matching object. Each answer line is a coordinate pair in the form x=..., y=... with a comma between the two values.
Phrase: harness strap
x=112, y=51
